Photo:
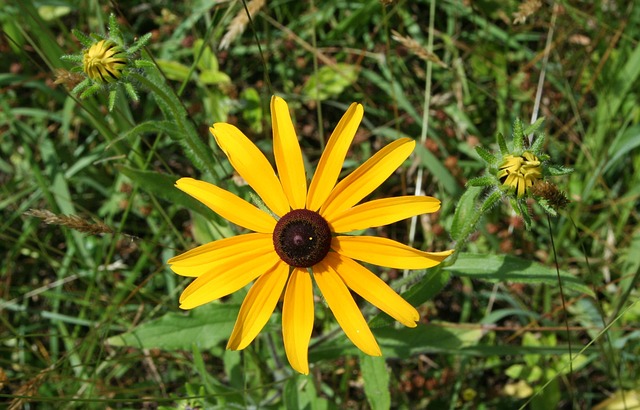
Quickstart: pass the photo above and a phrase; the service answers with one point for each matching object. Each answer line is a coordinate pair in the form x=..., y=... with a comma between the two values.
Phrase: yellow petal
x=344, y=308
x=297, y=319
x=386, y=252
x=218, y=283
x=228, y=205
x=258, y=306
x=286, y=150
x=330, y=163
x=373, y=289
x=252, y=165
x=366, y=177
x=217, y=254
x=382, y=212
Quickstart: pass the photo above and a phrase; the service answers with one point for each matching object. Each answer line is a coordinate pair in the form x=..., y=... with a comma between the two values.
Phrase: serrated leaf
x=481, y=181
x=487, y=156
x=376, y=381
x=490, y=201
x=329, y=82
x=531, y=128
x=205, y=326
x=504, y=150
x=537, y=145
x=507, y=268
x=518, y=136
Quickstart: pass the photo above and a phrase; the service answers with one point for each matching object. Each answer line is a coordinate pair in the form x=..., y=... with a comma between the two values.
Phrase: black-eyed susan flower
x=305, y=235
x=106, y=63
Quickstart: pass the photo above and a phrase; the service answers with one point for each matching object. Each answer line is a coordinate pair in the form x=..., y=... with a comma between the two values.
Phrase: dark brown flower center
x=302, y=238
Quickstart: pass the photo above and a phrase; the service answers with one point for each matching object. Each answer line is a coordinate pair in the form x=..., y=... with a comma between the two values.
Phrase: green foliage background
x=91, y=321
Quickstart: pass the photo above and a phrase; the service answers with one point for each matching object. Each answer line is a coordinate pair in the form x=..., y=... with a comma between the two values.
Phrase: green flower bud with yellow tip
x=517, y=172
x=520, y=172
x=104, y=61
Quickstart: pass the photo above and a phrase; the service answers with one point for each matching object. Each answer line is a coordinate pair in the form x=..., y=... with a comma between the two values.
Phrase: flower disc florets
x=302, y=238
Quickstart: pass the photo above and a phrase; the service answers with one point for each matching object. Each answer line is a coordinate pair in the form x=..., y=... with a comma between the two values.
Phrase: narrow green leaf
x=518, y=136
x=538, y=144
x=153, y=126
x=507, y=268
x=487, y=156
x=490, y=201
x=439, y=171
x=163, y=186
x=432, y=283
x=504, y=150
x=376, y=381
x=622, y=145
x=205, y=326
x=483, y=181
x=531, y=128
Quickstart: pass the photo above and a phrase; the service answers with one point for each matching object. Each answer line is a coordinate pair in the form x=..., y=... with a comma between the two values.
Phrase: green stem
x=188, y=135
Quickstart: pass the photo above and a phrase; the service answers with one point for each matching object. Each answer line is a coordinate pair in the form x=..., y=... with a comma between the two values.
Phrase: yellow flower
x=104, y=61
x=520, y=172
x=305, y=238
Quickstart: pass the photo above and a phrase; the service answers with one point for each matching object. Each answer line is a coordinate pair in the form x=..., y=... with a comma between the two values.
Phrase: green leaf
x=439, y=171
x=173, y=70
x=205, y=326
x=556, y=170
x=531, y=128
x=465, y=214
x=490, y=201
x=403, y=342
x=518, y=136
x=488, y=157
x=207, y=60
x=507, y=268
x=429, y=286
x=520, y=371
x=622, y=145
x=252, y=111
x=163, y=186
x=504, y=150
x=300, y=393
x=483, y=181
x=329, y=82
x=214, y=77
x=376, y=381
x=153, y=126
x=538, y=144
